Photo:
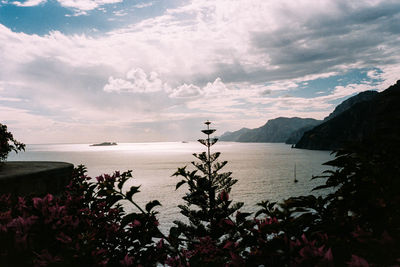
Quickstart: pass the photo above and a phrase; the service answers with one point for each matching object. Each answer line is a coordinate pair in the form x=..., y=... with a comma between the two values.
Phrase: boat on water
x=105, y=144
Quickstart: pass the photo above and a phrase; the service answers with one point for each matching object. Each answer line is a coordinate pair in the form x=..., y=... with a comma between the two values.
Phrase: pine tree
x=207, y=206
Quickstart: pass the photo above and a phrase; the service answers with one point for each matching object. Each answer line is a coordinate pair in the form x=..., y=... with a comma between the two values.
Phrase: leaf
x=215, y=156
x=218, y=166
x=179, y=184
x=128, y=219
x=321, y=187
x=174, y=232
x=133, y=190
x=152, y=204
x=202, y=141
x=240, y=217
x=213, y=141
x=127, y=174
x=202, y=156
x=111, y=200
x=122, y=182
x=301, y=201
x=181, y=172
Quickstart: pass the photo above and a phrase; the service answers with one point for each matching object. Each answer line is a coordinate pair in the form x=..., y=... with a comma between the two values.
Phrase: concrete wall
x=38, y=177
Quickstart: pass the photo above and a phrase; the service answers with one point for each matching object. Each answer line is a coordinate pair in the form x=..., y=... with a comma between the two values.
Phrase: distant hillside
x=274, y=131
x=376, y=118
x=234, y=136
x=295, y=136
x=345, y=105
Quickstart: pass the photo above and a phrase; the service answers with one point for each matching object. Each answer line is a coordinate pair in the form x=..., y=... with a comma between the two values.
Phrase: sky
x=84, y=71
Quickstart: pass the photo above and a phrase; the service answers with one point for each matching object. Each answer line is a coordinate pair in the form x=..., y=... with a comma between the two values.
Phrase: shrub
x=8, y=143
x=86, y=226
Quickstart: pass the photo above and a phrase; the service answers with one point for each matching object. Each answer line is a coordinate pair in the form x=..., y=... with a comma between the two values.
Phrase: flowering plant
x=86, y=226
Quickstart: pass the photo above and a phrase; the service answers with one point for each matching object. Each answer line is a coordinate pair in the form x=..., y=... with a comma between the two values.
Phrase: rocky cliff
x=274, y=131
x=373, y=119
x=345, y=105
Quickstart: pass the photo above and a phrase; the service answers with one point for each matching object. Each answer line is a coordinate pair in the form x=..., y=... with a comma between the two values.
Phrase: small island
x=105, y=144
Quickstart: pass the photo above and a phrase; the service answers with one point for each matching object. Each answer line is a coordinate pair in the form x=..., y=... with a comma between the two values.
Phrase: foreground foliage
x=8, y=143
x=357, y=224
x=85, y=226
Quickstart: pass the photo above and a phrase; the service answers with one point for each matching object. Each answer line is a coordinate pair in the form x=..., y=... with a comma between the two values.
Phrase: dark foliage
x=86, y=226
x=212, y=235
x=8, y=143
x=357, y=224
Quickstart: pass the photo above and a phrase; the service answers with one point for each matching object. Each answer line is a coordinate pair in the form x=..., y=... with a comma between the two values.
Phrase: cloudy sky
x=134, y=71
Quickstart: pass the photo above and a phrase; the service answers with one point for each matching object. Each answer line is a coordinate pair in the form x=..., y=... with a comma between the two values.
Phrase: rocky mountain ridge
x=367, y=121
x=274, y=131
x=355, y=119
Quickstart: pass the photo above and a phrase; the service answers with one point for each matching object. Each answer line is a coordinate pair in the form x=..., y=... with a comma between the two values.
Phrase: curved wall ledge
x=37, y=177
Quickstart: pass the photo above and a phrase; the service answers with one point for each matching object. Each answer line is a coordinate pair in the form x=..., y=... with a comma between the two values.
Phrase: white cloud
x=86, y=5
x=143, y=5
x=137, y=81
x=77, y=13
x=186, y=91
x=79, y=5
x=120, y=13
x=229, y=60
x=29, y=3
x=212, y=89
x=215, y=88
x=9, y=99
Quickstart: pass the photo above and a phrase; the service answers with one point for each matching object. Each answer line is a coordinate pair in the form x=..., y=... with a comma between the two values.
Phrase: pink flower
x=136, y=223
x=45, y=258
x=236, y=260
x=228, y=244
x=228, y=222
x=99, y=252
x=37, y=201
x=160, y=244
x=175, y=261
x=48, y=198
x=328, y=255
x=224, y=196
x=127, y=261
x=63, y=238
x=262, y=224
x=21, y=204
x=386, y=238
x=6, y=199
x=357, y=261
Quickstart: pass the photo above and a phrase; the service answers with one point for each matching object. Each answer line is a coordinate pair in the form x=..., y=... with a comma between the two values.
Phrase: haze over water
x=263, y=170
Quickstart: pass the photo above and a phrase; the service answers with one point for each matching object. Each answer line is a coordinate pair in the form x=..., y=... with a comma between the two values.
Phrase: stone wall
x=38, y=177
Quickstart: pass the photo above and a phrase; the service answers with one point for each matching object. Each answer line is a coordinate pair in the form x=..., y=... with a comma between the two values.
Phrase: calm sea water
x=263, y=170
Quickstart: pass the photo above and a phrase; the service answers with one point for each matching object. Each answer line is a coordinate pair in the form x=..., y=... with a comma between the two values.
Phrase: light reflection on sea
x=263, y=170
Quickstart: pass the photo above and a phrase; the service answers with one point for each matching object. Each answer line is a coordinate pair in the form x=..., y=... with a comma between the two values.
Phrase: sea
x=265, y=171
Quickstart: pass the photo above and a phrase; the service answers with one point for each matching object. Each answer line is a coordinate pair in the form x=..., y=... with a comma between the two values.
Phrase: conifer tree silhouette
x=207, y=205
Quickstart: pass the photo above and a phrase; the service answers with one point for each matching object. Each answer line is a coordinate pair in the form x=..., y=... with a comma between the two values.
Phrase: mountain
x=375, y=119
x=345, y=105
x=274, y=131
x=295, y=136
x=233, y=136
